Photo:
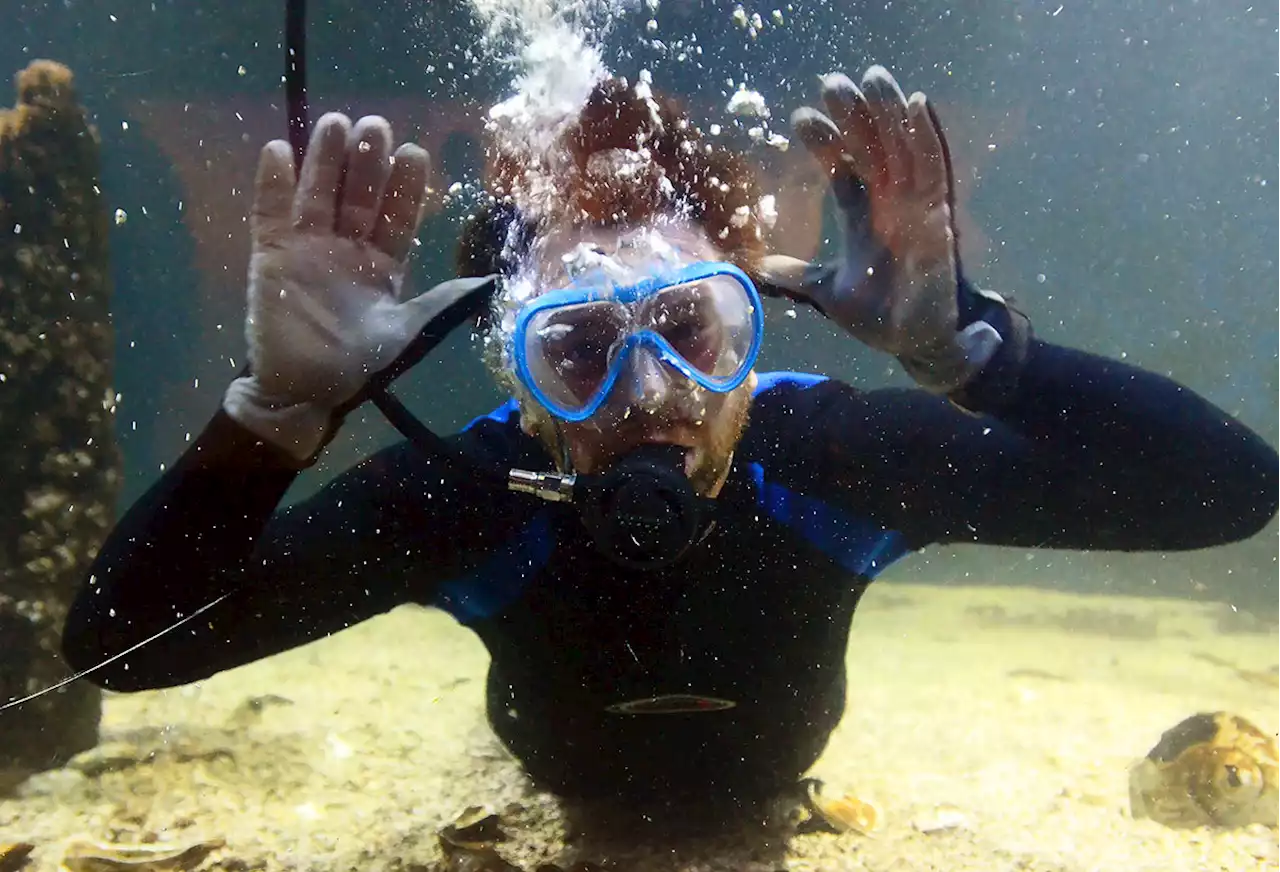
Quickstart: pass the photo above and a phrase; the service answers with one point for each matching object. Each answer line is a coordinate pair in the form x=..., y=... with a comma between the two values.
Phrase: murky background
x=1117, y=169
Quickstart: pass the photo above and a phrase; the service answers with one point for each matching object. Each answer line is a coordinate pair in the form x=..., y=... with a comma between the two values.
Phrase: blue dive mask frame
x=594, y=287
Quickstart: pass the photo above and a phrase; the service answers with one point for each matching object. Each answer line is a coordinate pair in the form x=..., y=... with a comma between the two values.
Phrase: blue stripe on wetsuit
x=857, y=545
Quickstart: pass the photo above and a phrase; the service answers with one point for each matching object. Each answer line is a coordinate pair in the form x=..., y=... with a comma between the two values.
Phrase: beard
x=613, y=433
x=711, y=461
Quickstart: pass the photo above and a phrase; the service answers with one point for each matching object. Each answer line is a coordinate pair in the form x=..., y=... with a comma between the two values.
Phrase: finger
x=316, y=203
x=819, y=135
x=822, y=138
x=928, y=163
x=847, y=107
x=402, y=202
x=888, y=106
x=798, y=280
x=368, y=167
x=272, y=214
x=949, y=179
x=782, y=274
x=425, y=308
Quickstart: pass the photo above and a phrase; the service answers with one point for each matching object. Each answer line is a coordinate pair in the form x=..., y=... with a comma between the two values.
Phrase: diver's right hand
x=325, y=278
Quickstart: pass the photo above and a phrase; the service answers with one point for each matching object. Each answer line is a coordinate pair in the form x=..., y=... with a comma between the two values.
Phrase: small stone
x=940, y=820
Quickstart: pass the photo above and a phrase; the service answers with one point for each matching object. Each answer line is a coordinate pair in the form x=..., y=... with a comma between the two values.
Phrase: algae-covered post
x=58, y=455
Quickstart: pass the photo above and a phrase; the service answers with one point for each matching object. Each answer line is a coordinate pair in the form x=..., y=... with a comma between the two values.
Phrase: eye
x=1237, y=782
x=680, y=332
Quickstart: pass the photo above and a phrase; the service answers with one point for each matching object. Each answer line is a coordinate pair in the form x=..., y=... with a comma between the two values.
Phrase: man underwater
x=674, y=637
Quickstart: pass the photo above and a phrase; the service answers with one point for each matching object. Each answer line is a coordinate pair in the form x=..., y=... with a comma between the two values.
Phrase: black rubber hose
x=295, y=77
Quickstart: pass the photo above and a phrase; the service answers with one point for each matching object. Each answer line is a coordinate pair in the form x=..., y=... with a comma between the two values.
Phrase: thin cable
x=295, y=77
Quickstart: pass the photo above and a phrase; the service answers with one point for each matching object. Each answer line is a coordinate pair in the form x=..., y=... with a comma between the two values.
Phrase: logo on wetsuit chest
x=671, y=704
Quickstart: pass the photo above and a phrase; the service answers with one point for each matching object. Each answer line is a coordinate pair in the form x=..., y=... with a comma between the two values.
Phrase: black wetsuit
x=828, y=486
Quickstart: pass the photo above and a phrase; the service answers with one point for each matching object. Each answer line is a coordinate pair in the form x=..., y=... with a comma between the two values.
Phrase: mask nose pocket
x=647, y=378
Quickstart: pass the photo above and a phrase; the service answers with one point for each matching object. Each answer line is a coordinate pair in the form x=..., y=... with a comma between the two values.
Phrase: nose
x=647, y=380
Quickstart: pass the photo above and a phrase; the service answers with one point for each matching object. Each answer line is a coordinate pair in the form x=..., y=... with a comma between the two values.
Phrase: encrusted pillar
x=59, y=463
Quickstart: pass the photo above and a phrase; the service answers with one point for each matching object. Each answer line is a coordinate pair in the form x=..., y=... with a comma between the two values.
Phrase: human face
x=652, y=403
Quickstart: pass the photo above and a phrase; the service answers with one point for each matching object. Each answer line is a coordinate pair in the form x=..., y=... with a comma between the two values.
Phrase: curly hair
x=682, y=174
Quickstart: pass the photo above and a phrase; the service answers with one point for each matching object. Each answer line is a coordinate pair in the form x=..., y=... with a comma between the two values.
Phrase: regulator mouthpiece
x=643, y=512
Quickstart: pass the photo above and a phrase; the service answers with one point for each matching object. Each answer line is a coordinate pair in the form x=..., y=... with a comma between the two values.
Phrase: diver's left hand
x=896, y=282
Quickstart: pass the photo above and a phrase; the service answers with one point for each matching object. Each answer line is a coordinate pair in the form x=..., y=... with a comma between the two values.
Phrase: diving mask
x=570, y=345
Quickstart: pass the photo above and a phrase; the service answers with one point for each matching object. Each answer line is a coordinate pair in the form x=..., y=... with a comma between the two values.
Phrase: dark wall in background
x=1119, y=177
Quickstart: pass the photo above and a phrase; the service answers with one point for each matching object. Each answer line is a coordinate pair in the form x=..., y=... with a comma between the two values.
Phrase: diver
x=661, y=548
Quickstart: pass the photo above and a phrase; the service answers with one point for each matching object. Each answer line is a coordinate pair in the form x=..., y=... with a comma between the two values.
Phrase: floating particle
x=121, y=217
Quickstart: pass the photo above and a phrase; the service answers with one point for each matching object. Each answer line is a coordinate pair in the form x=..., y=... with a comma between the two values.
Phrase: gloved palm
x=325, y=278
x=895, y=283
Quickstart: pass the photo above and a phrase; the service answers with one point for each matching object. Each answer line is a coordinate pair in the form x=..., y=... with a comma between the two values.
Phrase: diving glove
x=896, y=284
x=326, y=276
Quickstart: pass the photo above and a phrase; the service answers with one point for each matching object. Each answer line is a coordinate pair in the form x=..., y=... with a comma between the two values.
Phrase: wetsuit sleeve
x=1084, y=453
x=383, y=533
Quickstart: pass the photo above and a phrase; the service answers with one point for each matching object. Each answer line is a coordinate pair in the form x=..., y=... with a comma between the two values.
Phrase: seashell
x=940, y=820
x=13, y=855
x=1212, y=769
x=475, y=829
x=87, y=855
x=843, y=814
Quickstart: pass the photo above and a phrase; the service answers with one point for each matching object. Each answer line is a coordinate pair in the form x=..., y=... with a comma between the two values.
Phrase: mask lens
x=568, y=349
x=707, y=328
x=709, y=323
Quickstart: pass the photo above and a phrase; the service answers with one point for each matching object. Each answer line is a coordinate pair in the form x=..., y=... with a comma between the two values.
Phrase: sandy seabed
x=993, y=728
